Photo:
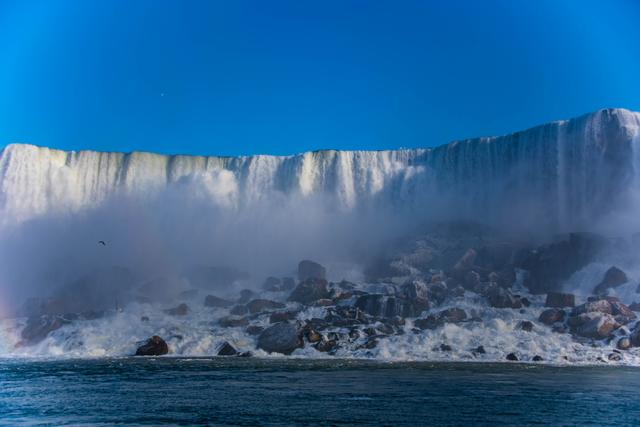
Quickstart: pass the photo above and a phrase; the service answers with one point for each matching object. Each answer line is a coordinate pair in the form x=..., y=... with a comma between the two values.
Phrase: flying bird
x=101, y=242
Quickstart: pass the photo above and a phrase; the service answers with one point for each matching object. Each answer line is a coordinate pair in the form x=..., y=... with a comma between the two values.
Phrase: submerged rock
x=526, y=326
x=613, y=278
x=537, y=358
x=280, y=338
x=155, y=346
x=311, y=270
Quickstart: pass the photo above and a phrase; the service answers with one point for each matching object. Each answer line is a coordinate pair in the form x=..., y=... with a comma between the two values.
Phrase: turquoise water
x=305, y=392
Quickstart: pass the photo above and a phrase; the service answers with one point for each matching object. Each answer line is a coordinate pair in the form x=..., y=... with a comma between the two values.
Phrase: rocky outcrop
x=560, y=300
x=280, y=338
x=613, y=278
x=227, y=349
x=155, y=346
x=37, y=328
x=310, y=290
x=311, y=270
x=552, y=315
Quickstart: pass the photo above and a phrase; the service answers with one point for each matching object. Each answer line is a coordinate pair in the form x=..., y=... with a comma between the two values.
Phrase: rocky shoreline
x=427, y=294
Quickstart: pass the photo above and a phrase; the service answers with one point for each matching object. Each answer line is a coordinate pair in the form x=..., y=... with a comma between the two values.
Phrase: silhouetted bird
x=101, y=242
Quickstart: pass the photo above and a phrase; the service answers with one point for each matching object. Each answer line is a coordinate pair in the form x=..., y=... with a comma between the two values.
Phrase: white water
x=561, y=175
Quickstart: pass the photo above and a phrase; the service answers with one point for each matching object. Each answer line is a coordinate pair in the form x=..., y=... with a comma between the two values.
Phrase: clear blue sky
x=280, y=77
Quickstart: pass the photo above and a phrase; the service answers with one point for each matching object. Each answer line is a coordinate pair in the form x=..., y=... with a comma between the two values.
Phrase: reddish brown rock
x=560, y=300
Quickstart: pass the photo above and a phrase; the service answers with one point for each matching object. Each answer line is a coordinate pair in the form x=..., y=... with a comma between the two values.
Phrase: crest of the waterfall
x=559, y=176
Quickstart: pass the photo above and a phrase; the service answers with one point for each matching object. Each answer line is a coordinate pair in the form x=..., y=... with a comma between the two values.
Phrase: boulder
x=552, y=315
x=180, y=310
x=613, y=278
x=614, y=357
x=214, y=301
x=526, y=326
x=549, y=265
x=596, y=325
x=254, y=330
x=600, y=306
x=512, y=357
x=227, y=349
x=310, y=290
x=624, y=343
x=280, y=338
x=560, y=300
x=452, y=315
x=260, y=305
x=537, y=358
x=313, y=336
x=499, y=297
x=37, y=328
x=155, y=346
x=311, y=270
x=282, y=316
x=326, y=346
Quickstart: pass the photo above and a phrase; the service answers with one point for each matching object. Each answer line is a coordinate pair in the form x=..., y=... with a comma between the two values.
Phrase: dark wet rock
x=180, y=310
x=499, y=297
x=261, y=305
x=326, y=346
x=313, y=336
x=614, y=357
x=144, y=319
x=526, y=326
x=559, y=328
x=552, y=315
x=155, y=346
x=37, y=328
x=560, y=300
x=371, y=343
x=239, y=310
x=613, y=278
x=525, y=302
x=354, y=334
x=245, y=354
x=385, y=329
x=415, y=290
x=282, y=316
x=311, y=270
x=397, y=321
x=280, y=338
x=596, y=325
x=624, y=343
x=370, y=331
x=537, y=358
x=445, y=347
x=552, y=264
x=480, y=350
x=310, y=290
x=512, y=357
x=254, y=330
x=214, y=301
x=600, y=306
x=227, y=349
x=233, y=322
x=245, y=296
x=429, y=322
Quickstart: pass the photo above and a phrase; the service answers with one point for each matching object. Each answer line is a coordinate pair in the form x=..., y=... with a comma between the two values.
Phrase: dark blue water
x=301, y=392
